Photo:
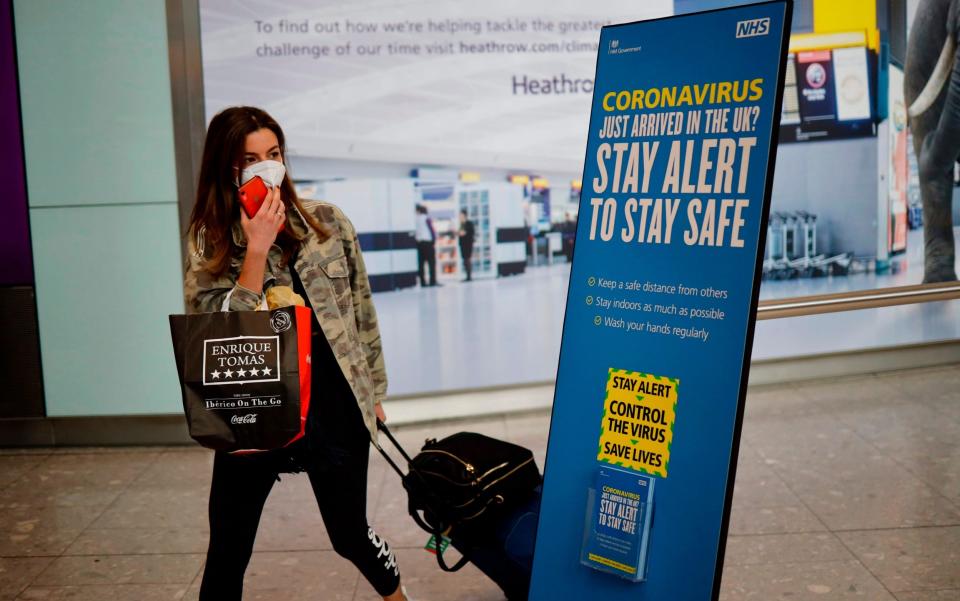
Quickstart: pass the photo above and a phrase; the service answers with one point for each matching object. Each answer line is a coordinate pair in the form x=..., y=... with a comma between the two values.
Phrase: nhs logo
x=753, y=27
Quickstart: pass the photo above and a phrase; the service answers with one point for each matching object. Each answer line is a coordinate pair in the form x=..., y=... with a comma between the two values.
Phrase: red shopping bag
x=245, y=377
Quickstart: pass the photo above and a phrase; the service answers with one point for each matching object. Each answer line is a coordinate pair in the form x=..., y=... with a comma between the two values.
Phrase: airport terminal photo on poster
x=484, y=110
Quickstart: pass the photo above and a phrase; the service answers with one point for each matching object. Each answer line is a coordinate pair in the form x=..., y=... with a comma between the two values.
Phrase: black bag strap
x=415, y=514
x=438, y=537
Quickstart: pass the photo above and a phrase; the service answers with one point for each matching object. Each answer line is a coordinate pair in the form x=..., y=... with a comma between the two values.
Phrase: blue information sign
x=662, y=299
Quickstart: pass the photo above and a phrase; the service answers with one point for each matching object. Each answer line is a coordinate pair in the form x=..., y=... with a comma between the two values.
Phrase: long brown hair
x=217, y=205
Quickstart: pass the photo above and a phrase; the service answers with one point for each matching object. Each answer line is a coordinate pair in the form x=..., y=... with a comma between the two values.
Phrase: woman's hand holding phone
x=261, y=230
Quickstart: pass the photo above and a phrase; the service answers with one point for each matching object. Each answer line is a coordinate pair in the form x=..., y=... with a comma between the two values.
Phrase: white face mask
x=271, y=172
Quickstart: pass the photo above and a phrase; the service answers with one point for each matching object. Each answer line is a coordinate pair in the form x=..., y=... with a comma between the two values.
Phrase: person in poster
x=426, y=237
x=467, y=235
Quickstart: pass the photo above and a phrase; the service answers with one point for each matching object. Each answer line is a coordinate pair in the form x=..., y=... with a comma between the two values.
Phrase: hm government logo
x=753, y=28
x=616, y=48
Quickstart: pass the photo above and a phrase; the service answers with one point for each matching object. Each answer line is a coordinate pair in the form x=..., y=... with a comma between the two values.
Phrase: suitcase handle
x=438, y=535
x=383, y=428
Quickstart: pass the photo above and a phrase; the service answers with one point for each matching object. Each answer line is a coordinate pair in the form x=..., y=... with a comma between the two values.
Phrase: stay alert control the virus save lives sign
x=637, y=422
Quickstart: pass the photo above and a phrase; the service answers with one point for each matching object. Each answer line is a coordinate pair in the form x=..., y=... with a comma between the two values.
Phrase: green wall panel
x=107, y=278
x=95, y=89
x=101, y=178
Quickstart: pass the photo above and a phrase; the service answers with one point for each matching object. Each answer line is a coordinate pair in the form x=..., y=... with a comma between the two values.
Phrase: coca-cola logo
x=250, y=418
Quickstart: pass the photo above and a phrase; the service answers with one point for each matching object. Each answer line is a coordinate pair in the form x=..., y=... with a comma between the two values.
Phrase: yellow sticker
x=637, y=425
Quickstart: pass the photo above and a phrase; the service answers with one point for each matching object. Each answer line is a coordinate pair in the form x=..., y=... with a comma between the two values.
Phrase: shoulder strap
x=442, y=562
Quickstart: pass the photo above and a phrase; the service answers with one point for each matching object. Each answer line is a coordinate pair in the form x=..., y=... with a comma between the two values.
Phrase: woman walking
x=311, y=247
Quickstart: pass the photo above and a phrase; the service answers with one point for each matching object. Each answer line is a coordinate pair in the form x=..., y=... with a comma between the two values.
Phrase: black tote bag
x=245, y=377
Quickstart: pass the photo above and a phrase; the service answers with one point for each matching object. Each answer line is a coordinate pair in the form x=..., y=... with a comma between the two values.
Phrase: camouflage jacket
x=335, y=280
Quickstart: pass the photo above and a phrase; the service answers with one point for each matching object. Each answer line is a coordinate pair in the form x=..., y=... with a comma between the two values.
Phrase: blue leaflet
x=617, y=529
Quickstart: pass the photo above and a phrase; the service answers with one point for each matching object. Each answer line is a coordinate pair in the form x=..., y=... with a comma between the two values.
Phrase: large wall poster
x=492, y=84
x=453, y=106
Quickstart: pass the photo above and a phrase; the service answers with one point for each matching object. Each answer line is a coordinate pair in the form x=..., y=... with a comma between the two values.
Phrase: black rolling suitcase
x=481, y=493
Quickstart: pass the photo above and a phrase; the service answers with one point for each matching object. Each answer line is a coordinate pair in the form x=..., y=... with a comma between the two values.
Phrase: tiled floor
x=847, y=489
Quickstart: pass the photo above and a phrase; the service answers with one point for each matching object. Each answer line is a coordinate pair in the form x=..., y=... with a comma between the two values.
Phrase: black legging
x=238, y=493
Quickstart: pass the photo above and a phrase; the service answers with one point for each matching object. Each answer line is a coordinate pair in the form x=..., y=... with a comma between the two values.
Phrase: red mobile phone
x=252, y=195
